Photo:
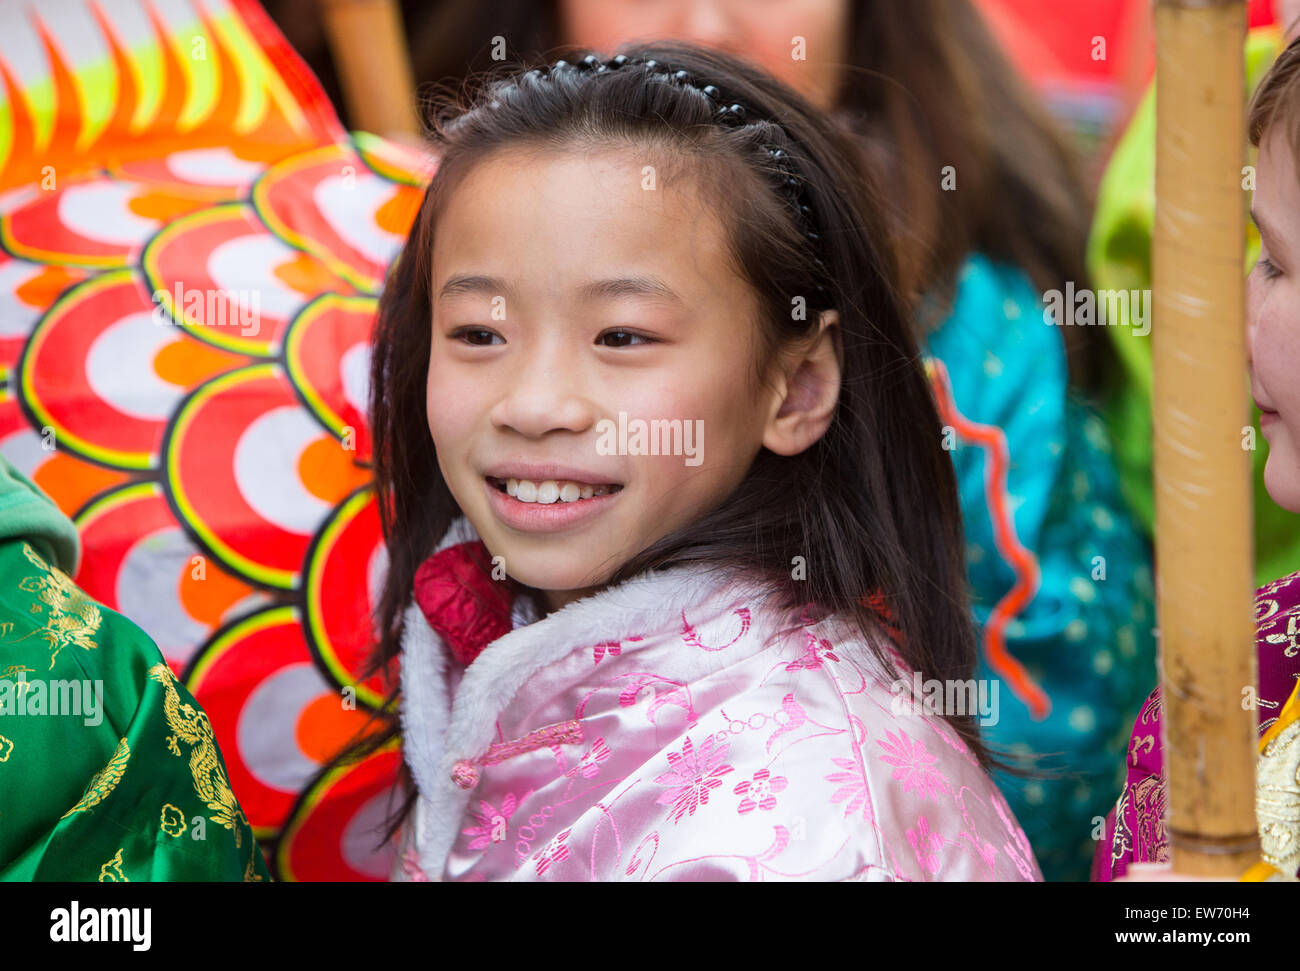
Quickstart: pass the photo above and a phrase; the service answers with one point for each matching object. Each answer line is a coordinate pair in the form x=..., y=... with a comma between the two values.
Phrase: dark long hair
x=925, y=86
x=872, y=506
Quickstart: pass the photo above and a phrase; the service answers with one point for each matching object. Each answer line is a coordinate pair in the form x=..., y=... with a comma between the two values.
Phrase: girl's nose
x=544, y=395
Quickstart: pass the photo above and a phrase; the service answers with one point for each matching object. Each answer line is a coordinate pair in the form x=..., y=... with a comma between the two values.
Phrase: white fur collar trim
x=438, y=731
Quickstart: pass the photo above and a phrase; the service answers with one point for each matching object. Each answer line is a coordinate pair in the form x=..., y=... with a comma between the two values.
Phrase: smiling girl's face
x=1273, y=293
x=565, y=293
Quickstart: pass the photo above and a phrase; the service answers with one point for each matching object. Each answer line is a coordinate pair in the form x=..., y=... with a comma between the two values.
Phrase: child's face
x=531, y=363
x=1273, y=291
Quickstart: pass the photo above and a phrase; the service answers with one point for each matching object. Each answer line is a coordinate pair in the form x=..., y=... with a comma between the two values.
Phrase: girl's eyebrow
x=488, y=286
x=633, y=286
x=636, y=286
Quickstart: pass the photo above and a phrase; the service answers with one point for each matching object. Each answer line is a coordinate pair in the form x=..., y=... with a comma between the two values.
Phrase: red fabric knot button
x=461, y=601
x=464, y=774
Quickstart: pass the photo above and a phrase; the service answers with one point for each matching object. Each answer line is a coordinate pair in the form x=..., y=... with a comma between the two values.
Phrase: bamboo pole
x=368, y=44
x=1204, y=530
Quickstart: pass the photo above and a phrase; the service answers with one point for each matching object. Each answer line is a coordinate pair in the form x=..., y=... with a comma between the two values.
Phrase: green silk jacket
x=108, y=767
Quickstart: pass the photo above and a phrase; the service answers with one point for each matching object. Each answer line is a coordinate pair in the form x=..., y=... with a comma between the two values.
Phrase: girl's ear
x=802, y=403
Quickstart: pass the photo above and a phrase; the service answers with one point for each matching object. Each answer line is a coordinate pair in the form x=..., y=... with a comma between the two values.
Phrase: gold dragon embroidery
x=111, y=872
x=17, y=673
x=171, y=820
x=71, y=618
x=104, y=781
x=192, y=727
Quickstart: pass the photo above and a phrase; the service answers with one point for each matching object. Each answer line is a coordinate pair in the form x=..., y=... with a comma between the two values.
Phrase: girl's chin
x=1282, y=478
x=554, y=580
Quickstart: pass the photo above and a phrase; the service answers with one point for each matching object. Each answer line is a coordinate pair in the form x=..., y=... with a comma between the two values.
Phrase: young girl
x=672, y=535
x=1136, y=830
x=990, y=212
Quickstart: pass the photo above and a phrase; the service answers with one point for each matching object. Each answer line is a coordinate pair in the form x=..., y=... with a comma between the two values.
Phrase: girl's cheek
x=449, y=412
x=450, y=403
x=1261, y=307
x=1254, y=314
x=1254, y=295
x=1273, y=299
x=1275, y=336
x=1284, y=332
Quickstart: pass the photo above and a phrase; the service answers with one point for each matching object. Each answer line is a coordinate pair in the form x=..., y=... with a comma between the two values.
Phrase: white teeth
x=551, y=490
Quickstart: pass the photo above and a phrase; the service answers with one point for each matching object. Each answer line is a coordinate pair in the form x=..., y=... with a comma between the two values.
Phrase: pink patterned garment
x=667, y=729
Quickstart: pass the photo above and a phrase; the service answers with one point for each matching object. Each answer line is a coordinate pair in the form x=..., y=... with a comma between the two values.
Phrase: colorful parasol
x=192, y=253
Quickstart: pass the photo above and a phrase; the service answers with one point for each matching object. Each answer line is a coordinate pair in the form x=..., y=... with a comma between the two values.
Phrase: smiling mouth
x=548, y=491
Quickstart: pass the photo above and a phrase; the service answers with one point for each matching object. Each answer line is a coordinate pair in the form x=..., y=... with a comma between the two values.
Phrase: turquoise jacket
x=1059, y=571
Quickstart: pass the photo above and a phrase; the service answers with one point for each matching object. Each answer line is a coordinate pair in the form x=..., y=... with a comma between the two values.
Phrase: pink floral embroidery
x=814, y=653
x=588, y=766
x=1018, y=846
x=986, y=850
x=759, y=791
x=691, y=777
x=411, y=866
x=552, y=853
x=853, y=785
x=954, y=741
x=925, y=844
x=676, y=693
x=492, y=823
x=636, y=854
x=795, y=718
x=913, y=764
x=692, y=637
x=612, y=648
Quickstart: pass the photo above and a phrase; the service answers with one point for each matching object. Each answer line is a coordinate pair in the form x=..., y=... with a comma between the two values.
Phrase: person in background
x=108, y=767
x=988, y=215
x=1119, y=258
x=1135, y=829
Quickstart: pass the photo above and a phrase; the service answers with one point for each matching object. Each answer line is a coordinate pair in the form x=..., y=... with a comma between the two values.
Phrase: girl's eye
x=1268, y=268
x=466, y=333
x=623, y=337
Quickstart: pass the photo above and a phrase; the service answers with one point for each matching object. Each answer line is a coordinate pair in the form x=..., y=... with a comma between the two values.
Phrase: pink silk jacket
x=668, y=729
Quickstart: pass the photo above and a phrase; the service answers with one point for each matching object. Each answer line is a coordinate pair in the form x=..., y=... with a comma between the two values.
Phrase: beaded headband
x=730, y=115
